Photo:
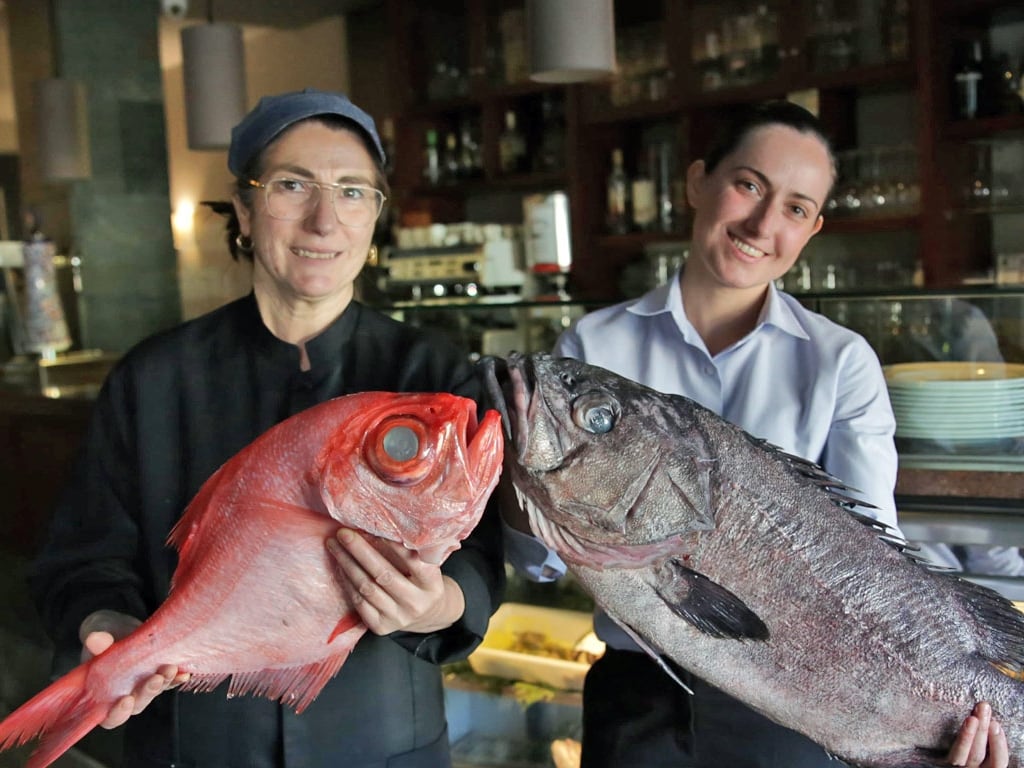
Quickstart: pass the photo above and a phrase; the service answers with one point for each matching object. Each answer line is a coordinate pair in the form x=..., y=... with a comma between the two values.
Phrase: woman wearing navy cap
x=309, y=187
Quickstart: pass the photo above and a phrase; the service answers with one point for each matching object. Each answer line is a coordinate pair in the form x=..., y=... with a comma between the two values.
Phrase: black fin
x=708, y=606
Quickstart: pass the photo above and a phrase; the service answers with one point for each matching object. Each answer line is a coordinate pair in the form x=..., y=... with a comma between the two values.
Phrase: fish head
x=611, y=473
x=413, y=468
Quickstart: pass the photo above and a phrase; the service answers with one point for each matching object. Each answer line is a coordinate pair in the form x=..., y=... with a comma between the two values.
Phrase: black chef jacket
x=175, y=408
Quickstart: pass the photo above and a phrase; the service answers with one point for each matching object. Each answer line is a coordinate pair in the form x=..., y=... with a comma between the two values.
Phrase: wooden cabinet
x=39, y=437
x=881, y=72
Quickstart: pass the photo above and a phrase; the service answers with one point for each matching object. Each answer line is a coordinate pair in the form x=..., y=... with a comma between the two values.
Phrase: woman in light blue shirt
x=721, y=334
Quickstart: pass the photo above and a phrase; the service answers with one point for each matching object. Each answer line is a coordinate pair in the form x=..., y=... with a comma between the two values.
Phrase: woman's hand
x=391, y=588
x=98, y=632
x=981, y=742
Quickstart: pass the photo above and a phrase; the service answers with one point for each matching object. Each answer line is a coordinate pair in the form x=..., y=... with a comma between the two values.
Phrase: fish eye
x=399, y=449
x=595, y=413
x=401, y=443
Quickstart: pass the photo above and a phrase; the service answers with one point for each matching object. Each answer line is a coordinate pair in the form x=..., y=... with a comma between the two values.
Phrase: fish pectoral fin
x=707, y=605
x=670, y=667
x=345, y=623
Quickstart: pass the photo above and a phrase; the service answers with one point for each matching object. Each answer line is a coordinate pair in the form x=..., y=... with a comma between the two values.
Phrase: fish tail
x=59, y=715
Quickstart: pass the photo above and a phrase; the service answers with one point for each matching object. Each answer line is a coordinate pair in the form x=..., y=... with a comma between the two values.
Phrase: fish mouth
x=510, y=381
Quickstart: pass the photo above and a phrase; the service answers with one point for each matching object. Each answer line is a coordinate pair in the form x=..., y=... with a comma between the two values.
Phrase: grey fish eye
x=599, y=419
x=595, y=412
x=401, y=443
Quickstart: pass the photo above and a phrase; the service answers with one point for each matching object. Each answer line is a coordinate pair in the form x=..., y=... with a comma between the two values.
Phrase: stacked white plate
x=958, y=403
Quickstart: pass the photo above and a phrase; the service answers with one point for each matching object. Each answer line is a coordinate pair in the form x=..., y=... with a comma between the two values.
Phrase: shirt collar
x=668, y=297
x=778, y=312
x=322, y=349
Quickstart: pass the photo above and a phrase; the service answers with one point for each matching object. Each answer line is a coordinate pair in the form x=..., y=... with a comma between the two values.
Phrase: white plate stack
x=958, y=405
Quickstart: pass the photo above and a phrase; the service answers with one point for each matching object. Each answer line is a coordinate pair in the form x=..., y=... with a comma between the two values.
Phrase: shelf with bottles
x=436, y=57
x=878, y=184
x=845, y=36
x=510, y=141
x=985, y=55
x=531, y=137
x=987, y=175
x=645, y=189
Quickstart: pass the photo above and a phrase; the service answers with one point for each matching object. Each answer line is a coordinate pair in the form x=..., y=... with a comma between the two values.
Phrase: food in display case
x=542, y=645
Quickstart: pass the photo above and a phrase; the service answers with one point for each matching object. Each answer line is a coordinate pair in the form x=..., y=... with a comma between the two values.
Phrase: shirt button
x=709, y=370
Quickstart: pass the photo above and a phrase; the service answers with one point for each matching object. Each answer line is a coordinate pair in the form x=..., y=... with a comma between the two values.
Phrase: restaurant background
x=517, y=206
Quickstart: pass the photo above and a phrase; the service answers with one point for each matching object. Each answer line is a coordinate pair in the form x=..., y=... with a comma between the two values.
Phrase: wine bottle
x=968, y=82
x=431, y=158
x=645, y=197
x=511, y=146
x=618, y=196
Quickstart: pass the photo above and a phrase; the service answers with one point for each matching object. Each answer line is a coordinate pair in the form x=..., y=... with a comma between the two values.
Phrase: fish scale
x=749, y=568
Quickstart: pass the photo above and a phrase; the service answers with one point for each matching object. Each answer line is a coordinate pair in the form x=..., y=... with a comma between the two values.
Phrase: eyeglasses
x=293, y=199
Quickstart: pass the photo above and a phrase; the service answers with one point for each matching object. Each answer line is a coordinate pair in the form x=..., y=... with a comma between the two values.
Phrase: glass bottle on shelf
x=431, y=158
x=450, y=157
x=666, y=204
x=645, y=197
x=511, y=146
x=551, y=156
x=470, y=163
x=387, y=137
x=896, y=30
x=617, y=220
x=968, y=83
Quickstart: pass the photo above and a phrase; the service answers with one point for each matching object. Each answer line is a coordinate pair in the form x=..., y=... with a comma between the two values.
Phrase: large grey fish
x=751, y=568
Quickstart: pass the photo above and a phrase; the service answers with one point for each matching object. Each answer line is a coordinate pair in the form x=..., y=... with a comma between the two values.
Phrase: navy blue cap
x=275, y=113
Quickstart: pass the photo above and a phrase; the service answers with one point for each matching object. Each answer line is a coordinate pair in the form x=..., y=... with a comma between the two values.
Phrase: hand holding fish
x=100, y=630
x=391, y=587
x=980, y=734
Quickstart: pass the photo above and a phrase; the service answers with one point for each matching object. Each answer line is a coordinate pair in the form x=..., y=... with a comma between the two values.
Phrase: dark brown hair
x=751, y=117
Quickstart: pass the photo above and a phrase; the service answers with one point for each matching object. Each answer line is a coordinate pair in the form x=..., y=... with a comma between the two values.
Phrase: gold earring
x=372, y=257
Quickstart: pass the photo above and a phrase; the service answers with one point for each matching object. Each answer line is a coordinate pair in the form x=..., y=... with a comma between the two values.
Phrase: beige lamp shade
x=214, y=69
x=62, y=126
x=570, y=41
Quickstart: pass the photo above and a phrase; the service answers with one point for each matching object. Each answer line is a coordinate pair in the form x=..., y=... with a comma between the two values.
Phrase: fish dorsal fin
x=999, y=625
x=707, y=605
x=295, y=687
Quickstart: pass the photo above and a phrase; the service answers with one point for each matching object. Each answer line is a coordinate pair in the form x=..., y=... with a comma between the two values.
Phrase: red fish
x=255, y=596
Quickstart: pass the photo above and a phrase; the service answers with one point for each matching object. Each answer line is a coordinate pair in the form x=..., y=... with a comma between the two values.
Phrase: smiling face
x=315, y=260
x=756, y=210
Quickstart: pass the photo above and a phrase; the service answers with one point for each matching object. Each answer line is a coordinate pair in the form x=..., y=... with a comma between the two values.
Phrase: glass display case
x=954, y=363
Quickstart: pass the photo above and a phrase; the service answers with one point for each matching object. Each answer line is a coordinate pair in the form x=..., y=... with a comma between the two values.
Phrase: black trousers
x=636, y=716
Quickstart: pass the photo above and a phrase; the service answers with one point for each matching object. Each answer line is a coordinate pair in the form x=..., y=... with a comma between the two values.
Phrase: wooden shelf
x=848, y=225
x=983, y=127
x=950, y=246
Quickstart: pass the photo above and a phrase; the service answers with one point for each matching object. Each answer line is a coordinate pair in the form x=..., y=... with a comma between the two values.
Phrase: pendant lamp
x=570, y=41
x=62, y=129
x=213, y=57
